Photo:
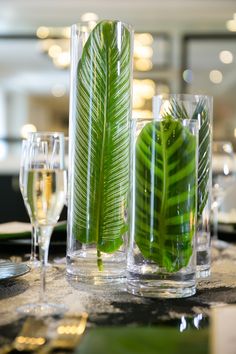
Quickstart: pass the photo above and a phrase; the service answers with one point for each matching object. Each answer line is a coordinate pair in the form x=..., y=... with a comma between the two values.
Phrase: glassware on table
x=161, y=257
x=100, y=111
x=199, y=108
x=33, y=261
x=44, y=188
x=66, y=148
x=223, y=178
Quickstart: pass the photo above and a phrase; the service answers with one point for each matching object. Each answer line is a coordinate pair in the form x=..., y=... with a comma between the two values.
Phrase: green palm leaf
x=201, y=114
x=101, y=151
x=165, y=193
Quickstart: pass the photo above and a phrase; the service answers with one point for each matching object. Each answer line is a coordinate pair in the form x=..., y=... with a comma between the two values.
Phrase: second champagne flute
x=44, y=181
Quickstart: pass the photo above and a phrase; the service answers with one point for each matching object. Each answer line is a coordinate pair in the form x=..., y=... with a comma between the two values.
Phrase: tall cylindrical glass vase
x=199, y=108
x=100, y=111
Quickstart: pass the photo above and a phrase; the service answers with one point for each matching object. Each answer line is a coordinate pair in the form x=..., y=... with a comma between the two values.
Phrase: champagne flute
x=33, y=261
x=44, y=189
x=223, y=178
x=66, y=148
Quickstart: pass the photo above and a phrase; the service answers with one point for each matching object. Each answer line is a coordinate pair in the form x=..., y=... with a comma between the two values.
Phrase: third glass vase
x=161, y=252
x=199, y=108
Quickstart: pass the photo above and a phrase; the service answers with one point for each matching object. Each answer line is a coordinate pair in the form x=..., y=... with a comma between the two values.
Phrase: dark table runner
x=112, y=306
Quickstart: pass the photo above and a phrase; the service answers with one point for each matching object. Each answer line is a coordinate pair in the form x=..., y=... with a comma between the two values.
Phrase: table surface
x=112, y=305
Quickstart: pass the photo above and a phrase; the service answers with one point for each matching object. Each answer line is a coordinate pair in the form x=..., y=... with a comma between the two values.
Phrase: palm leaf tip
x=165, y=193
x=101, y=136
x=178, y=111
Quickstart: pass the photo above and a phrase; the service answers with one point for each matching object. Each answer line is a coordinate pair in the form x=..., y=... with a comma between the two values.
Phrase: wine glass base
x=34, y=263
x=42, y=309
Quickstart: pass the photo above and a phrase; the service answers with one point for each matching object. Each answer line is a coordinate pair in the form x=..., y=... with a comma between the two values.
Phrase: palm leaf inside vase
x=101, y=151
x=201, y=114
x=165, y=193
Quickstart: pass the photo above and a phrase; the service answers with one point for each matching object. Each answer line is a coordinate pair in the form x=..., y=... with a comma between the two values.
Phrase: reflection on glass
x=183, y=324
x=197, y=319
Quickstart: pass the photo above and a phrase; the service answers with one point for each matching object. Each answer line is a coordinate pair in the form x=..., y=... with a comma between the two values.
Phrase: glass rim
x=184, y=96
x=76, y=26
x=188, y=123
x=160, y=119
x=46, y=133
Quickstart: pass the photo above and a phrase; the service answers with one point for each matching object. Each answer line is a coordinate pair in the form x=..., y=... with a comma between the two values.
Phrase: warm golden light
x=162, y=88
x=148, y=88
x=143, y=51
x=54, y=50
x=89, y=16
x=226, y=57
x=26, y=129
x=216, y=76
x=138, y=101
x=62, y=60
x=142, y=90
x=137, y=113
x=42, y=32
x=143, y=64
x=30, y=340
x=144, y=38
x=231, y=25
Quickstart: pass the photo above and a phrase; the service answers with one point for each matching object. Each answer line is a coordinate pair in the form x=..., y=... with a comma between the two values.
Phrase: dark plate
x=9, y=270
x=227, y=232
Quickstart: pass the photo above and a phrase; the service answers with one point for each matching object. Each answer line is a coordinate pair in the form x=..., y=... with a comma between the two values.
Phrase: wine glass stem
x=44, y=235
x=34, y=242
x=215, y=210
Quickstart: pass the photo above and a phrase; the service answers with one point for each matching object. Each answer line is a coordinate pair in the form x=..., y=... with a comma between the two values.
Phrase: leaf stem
x=99, y=261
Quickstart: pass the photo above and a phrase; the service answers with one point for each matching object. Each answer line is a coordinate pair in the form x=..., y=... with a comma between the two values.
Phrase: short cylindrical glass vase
x=199, y=108
x=100, y=111
x=161, y=256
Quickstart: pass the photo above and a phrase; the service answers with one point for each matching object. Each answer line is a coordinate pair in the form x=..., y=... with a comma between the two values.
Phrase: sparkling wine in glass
x=33, y=261
x=44, y=191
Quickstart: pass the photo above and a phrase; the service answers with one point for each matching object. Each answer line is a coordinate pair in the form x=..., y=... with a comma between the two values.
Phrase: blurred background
x=186, y=46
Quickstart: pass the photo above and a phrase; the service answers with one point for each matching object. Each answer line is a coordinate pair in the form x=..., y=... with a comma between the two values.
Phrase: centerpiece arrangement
x=167, y=199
